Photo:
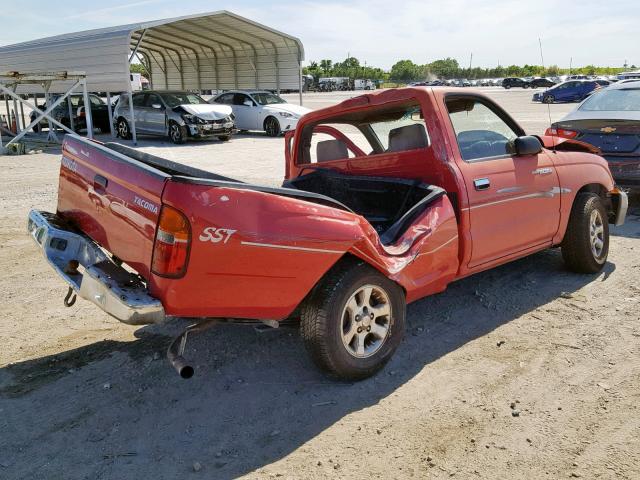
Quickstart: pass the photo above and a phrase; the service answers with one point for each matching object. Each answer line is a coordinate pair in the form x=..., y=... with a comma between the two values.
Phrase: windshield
x=265, y=98
x=625, y=100
x=173, y=99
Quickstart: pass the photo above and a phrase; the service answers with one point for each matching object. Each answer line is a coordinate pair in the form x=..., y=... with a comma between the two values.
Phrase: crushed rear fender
x=257, y=254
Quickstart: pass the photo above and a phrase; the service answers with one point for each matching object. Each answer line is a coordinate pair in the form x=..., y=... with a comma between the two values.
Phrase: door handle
x=100, y=182
x=481, y=183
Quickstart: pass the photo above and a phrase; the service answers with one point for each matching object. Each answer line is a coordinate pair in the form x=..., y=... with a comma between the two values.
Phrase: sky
x=380, y=32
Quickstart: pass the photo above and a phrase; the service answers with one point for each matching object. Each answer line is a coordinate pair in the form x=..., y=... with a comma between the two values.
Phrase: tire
x=224, y=138
x=36, y=128
x=548, y=99
x=177, y=133
x=525, y=86
x=507, y=87
x=585, y=246
x=272, y=126
x=122, y=129
x=339, y=344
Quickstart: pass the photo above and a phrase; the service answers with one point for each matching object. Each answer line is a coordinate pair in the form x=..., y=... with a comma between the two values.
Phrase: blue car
x=571, y=91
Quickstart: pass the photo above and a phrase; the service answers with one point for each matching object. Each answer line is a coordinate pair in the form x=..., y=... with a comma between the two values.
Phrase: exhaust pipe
x=175, y=351
x=177, y=361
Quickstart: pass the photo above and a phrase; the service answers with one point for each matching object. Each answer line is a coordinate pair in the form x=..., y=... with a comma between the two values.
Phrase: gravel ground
x=524, y=371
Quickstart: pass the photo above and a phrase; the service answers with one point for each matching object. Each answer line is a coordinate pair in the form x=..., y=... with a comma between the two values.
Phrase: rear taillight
x=560, y=132
x=173, y=241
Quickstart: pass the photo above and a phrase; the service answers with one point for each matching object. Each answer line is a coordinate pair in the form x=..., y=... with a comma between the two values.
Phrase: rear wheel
x=354, y=321
x=177, y=133
x=586, y=243
x=507, y=87
x=272, y=126
x=122, y=129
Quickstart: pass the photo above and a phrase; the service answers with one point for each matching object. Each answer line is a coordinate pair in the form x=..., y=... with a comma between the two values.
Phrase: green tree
x=406, y=71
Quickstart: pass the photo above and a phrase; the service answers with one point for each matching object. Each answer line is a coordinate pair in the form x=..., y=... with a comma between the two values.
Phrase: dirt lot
x=82, y=396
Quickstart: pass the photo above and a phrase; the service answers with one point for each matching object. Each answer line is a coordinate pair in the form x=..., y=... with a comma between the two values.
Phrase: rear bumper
x=625, y=173
x=115, y=290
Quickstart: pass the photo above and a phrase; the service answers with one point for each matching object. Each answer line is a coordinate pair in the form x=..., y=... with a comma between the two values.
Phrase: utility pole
x=470, y=61
x=570, y=64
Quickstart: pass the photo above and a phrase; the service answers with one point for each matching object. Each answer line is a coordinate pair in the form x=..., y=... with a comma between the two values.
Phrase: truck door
x=514, y=201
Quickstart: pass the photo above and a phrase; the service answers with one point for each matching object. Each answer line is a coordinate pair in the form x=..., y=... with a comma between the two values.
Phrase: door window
x=480, y=132
x=240, y=98
x=226, y=99
x=138, y=100
x=151, y=100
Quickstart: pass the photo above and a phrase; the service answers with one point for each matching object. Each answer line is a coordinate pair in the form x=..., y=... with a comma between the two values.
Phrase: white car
x=261, y=110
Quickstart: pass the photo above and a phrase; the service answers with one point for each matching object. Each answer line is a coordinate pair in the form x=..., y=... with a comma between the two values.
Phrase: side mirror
x=248, y=103
x=157, y=106
x=527, y=145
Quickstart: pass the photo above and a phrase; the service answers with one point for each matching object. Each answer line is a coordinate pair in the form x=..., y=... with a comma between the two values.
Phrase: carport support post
x=15, y=112
x=133, y=118
x=70, y=111
x=110, y=112
x=87, y=109
x=300, y=79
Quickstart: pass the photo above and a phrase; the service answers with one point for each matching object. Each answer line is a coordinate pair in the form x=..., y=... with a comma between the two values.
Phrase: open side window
x=388, y=129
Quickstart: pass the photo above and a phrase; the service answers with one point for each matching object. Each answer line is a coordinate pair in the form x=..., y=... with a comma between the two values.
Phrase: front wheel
x=586, y=243
x=224, y=138
x=548, y=99
x=177, y=133
x=353, y=321
x=272, y=127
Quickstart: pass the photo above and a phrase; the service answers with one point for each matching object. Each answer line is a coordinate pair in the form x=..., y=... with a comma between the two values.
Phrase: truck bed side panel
x=253, y=254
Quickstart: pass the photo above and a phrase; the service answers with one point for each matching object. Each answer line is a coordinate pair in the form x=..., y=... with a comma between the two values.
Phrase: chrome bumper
x=621, y=207
x=98, y=279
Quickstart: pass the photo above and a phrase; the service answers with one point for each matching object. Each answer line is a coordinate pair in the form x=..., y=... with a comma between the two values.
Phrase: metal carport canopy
x=209, y=51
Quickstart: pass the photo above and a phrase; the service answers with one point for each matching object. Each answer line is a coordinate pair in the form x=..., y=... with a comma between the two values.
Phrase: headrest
x=328, y=150
x=410, y=137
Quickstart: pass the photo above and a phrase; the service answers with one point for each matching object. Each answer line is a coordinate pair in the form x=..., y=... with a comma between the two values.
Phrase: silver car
x=176, y=114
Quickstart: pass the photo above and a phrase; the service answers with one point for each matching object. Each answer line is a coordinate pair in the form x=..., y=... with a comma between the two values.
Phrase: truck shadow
x=255, y=398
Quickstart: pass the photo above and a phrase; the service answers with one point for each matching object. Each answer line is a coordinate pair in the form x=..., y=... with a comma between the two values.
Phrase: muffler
x=175, y=351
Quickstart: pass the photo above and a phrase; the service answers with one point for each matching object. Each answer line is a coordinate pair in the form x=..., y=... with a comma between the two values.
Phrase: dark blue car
x=571, y=91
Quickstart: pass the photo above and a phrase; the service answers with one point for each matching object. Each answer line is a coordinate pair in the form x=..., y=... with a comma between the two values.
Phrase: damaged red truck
x=388, y=197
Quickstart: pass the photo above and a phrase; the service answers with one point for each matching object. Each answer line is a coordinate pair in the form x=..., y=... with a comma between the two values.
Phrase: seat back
x=410, y=137
x=328, y=150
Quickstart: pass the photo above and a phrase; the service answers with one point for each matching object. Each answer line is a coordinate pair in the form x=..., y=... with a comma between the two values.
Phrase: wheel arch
x=346, y=260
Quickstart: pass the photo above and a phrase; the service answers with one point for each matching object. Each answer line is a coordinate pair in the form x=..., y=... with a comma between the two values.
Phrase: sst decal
x=216, y=235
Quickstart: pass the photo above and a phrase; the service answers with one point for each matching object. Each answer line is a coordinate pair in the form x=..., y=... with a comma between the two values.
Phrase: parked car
x=99, y=113
x=541, y=82
x=610, y=120
x=570, y=91
x=261, y=110
x=342, y=248
x=514, y=82
x=177, y=114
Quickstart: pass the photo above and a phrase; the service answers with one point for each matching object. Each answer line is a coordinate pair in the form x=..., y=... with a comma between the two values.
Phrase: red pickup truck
x=388, y=197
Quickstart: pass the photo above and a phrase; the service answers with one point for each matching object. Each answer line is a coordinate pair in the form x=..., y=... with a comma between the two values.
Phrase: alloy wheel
x=366, y=319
